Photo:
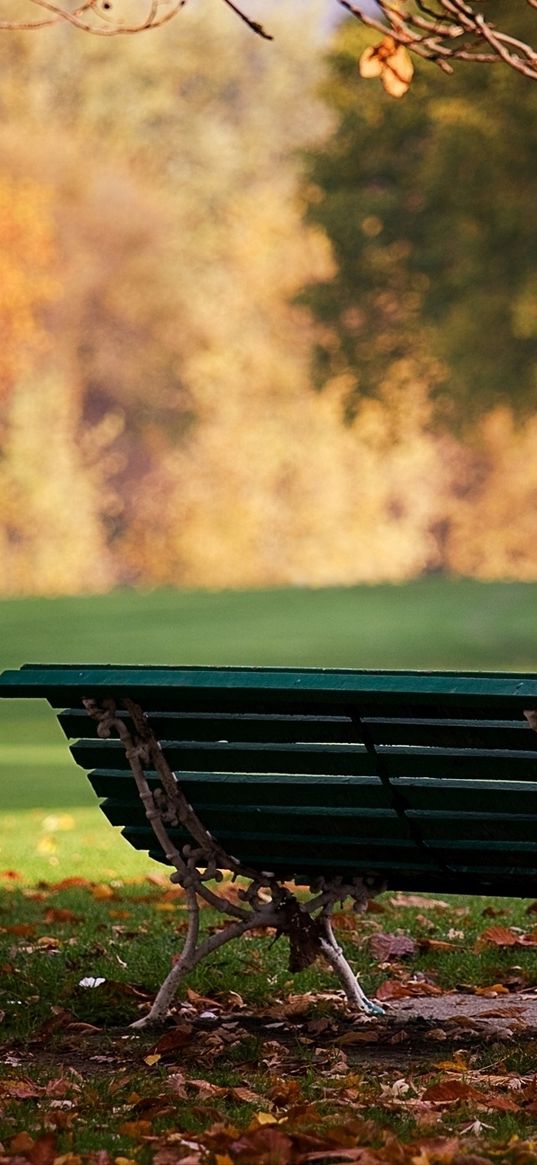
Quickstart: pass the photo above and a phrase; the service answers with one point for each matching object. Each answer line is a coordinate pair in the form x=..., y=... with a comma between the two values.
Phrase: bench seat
x=429, y=779
x=422, y=781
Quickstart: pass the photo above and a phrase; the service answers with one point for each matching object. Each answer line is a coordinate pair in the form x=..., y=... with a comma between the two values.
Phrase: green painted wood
x=213, y=788
x=422, y=800
x=506, y=735
x=412, y=868
x=329, y=822
x=323, y=822
x=349, y=850
x=350, y=760
x=513, y=735
x=475, y=826
x=500, y=797
x=493, y=734
x=272, y=689
x=237, y=728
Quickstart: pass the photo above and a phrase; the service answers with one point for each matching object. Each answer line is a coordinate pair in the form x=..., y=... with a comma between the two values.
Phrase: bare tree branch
x=442, y=31
x=102, y=22
x=454, y=31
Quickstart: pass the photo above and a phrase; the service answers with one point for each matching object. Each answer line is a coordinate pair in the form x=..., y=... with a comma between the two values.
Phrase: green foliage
x=428, y=204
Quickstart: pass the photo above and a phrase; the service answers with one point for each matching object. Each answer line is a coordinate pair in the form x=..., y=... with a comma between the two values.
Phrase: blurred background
x=261, y=323
x=268, y=359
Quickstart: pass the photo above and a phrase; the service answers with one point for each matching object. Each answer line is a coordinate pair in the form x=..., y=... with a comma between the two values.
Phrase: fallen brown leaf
x=362, y=1036
x=43, y=1151
x=448, y=1091
x=20, y=1089
x=60, y=914
x=386, y=947
x=102, y=891
x=23, y=929
x=21, y=1143
x=499, y=936
x=263, y=1146
x=400, y=989
x=245, y=1094
x=177, y=1037
x=138, y=1128
x=356, y=1155
x=501, y=1103
x=464, y=1021
x=437, y=944
x=440, y=1151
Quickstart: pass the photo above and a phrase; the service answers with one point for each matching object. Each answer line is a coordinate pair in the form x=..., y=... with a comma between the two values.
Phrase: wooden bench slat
x=505, y=828
x=310, y=850
x=378, y=856
x=514, y=735
x=429, y=794
x=368, y=792
x=326, y=821
x=425, y=881
x=437, y=802
x=272, y=689
x=207, y=727
x=351, y=760
x=308, y=824
x=431, y=732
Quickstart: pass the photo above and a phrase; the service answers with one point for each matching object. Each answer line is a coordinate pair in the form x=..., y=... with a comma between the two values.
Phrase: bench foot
x=334, y=955
x=284, y=920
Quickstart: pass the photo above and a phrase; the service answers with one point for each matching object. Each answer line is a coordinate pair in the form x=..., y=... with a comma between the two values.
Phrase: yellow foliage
x=493, y=518
x=27, y=275
x=52, y=502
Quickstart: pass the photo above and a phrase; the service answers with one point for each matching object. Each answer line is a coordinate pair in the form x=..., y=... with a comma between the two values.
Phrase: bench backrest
x=428, y=779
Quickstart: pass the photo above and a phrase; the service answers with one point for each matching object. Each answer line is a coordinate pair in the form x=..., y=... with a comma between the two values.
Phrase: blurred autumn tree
x=158, y=423
x=428, y=204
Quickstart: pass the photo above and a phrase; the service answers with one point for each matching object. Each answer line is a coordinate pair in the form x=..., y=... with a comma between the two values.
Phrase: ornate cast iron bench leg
x=265, y=902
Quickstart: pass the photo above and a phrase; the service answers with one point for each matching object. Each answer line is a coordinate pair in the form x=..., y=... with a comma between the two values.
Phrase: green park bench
x=343, y=782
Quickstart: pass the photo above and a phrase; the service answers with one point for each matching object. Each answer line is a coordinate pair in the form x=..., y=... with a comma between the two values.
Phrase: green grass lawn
x=430, y=623
x=80, y=961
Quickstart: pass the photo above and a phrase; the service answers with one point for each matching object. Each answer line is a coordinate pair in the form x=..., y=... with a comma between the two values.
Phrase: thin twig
x=154, y=19
x=253, y=24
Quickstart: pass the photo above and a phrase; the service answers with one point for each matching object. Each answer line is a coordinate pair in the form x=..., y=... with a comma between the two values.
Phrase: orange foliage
x=27, y=275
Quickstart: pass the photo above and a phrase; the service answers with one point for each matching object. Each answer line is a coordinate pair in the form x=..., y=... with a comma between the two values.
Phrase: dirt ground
x=412, y=1030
